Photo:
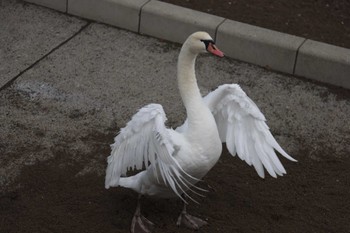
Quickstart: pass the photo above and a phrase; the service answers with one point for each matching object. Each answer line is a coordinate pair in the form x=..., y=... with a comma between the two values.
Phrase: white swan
x=174, y=160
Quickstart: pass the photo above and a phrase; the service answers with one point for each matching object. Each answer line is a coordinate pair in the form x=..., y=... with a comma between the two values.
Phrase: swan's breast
x=199, y=156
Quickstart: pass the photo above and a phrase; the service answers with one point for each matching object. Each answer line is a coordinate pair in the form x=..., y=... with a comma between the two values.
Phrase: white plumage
x=145, y=140
x=242, y=126
x=175, y=160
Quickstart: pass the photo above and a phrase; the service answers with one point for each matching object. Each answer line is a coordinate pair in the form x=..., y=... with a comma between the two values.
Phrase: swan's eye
x=207, y=42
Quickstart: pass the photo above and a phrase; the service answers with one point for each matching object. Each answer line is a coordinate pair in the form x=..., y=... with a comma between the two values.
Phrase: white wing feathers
x=242, y=126
x=146, y=143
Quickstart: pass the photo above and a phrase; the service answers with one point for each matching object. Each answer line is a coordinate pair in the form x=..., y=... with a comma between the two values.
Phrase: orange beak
x=214, y=50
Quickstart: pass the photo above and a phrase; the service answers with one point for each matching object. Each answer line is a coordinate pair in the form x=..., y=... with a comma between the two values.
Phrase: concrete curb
x=278, y=51
x=175, y=23
x=259, y=46
x=324, y=62
x=60, y=5
x=121, y=13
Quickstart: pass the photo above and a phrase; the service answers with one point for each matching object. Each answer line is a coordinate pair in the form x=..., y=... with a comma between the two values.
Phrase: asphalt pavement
x=64, y=79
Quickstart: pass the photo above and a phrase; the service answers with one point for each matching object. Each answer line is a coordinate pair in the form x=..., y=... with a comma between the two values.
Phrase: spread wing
x=145, y=142
x=242, y=126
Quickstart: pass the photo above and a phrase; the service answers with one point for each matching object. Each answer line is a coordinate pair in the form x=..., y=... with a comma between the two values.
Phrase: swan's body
x=174, y=160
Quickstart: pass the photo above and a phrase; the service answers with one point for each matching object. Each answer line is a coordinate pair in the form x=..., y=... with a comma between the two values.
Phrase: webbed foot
x=140, y=224
x=190, y=221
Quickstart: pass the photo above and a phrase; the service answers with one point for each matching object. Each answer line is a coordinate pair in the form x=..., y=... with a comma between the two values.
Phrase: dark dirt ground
x=322, y=20
x=313, y=197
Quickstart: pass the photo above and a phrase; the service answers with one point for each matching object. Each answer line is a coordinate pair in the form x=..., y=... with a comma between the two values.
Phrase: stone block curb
x=252, y=44
x=175, y=23
x=60, y=5
x=119, y=13
x=324, y=62
x=258, y=45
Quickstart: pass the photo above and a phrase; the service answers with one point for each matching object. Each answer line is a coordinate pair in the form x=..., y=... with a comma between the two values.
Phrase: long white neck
x=188, y=87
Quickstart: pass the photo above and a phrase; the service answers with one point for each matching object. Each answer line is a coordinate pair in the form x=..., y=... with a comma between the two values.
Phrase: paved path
x=260, y=46
x=67, y=84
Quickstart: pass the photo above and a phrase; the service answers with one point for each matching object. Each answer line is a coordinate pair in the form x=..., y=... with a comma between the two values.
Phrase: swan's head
x=201, y=42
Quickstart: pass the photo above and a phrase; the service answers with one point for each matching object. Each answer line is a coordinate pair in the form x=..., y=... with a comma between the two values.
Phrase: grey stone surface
x=325, y=63
x=60, y=5
x=121, y=13
x=174, y=23
x=263, y=47
x=258, y=45
x=27, y=33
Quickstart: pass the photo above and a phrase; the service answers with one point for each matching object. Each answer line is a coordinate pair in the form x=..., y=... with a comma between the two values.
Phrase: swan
x=173, y=161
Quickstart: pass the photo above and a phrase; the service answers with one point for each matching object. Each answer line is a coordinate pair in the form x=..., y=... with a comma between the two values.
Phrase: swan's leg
x=189, y=221
x=139, y=223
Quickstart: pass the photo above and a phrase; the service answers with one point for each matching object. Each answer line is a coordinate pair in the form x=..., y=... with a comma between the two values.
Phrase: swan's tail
x=128, y=182
x=131, y=182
